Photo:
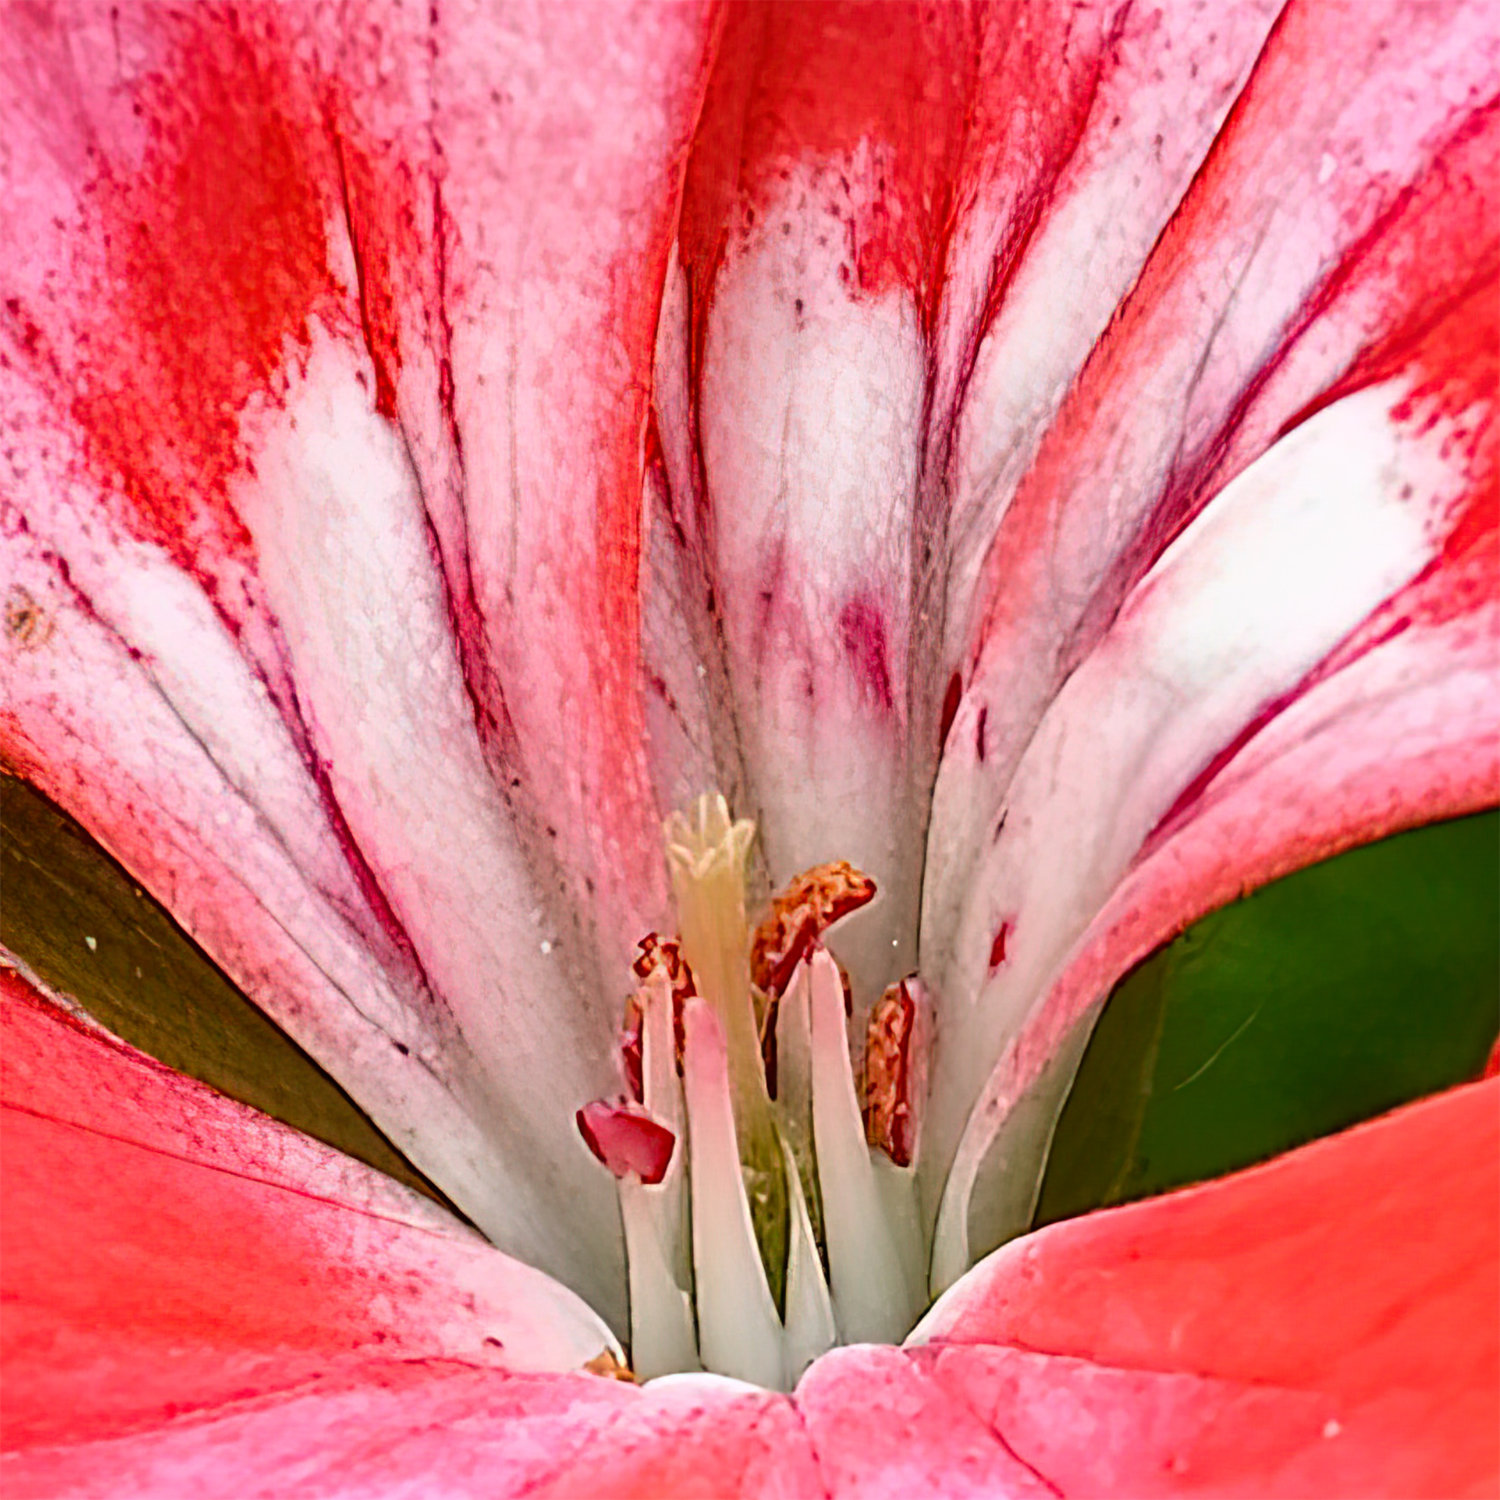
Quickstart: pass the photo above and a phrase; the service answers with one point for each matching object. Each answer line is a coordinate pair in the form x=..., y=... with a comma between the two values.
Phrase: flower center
x=765, y=1180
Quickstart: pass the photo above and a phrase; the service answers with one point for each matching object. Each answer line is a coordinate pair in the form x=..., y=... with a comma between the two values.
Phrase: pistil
x=707, y=855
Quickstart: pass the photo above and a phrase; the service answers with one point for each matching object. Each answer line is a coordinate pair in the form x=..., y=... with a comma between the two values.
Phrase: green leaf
x=1323, y=999
x=84, y=927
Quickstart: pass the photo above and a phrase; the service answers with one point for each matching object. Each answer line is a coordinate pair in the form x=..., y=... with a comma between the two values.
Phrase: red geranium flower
x=1040, y=454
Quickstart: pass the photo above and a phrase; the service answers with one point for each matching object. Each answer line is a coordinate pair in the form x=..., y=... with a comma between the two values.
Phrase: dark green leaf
x=1321, y=1000
x=83, y=926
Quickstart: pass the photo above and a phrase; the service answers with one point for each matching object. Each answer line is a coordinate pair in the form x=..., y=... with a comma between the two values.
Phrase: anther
x=810, y=904
x=895, y=1071
x=606, y=1364
x=655, y=954
x=806, y=907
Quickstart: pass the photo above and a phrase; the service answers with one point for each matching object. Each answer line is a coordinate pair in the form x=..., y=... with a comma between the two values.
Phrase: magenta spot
x=997, y=948
x=626, y=1139
x=950, y=707
x=862, y=628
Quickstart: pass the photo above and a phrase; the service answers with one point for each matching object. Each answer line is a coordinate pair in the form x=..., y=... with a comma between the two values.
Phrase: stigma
x=764, y=1164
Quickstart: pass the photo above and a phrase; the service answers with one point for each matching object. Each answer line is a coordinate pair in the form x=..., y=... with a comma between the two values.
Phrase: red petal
x=1327, y=1324
x=1324, y=1325
x=167, y=1250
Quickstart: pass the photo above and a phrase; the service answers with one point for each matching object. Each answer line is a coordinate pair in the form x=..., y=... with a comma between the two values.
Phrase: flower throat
x=765, y=1180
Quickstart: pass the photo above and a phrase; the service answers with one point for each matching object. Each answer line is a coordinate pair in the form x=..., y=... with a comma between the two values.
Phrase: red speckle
x=375, y=224
x=997, y=948
x=626, y=1139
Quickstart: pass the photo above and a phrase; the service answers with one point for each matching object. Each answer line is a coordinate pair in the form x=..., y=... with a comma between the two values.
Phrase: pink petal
x=882, y=1427
x=865, y=183
x=167, y=1250
x=554, y=284
x=1345, y=210
x=1400, y=736
x=1343, y=200
x=433, y=1427
x=1380, y=717
x=695, y=1435
x=324, y=435
x=1327, y=1324
x=1229, y=727
x=366, y=1427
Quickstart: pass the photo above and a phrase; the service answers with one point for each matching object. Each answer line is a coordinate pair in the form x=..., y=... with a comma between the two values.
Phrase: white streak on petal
x=347, y=562
x=811, y=414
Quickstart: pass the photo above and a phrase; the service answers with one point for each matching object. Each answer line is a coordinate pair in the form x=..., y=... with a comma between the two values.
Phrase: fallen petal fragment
x=627, y=1139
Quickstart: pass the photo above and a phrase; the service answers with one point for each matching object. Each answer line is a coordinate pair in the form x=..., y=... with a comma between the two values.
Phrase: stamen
x=801, y=912
x=661, y=1043
x=794, y=1096
x=630, y=1051
x=810, y=1326
x=606, y=1364
x=658, y=955
x=777, y=1231
x=872, y=1298
x=739, y=1333
x=663, y=1338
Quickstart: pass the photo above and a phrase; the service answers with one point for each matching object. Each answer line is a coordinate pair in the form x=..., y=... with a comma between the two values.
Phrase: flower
x=1043, y=456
